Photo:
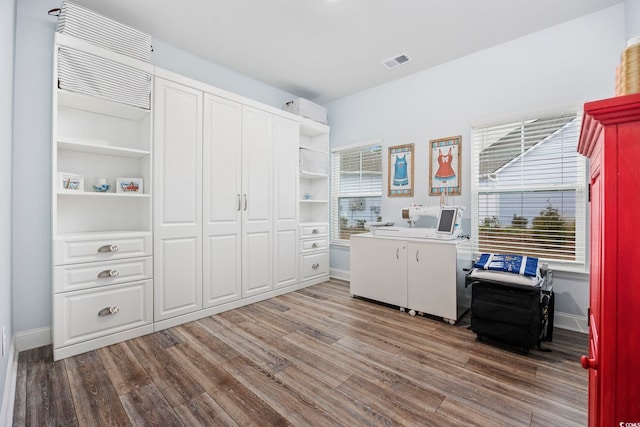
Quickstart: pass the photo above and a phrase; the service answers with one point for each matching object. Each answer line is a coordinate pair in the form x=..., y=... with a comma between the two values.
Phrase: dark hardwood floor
x=315, y=357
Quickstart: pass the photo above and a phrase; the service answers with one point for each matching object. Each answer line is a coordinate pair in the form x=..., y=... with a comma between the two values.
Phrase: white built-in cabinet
x=227, y=208
x=422, y=275
x=314, y=203
x=221, y=222
x=102, y=276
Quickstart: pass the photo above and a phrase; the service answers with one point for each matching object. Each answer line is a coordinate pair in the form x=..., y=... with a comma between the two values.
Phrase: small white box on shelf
x=129, y=185
x=305, y=108
x=70, y=182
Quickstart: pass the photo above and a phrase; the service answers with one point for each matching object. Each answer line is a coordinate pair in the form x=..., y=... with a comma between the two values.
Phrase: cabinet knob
x=107, y=311
x=588, y=363
x=315, y=231
x=108, y=248
x=314, y=245
x=315, y=266
x=108, y=273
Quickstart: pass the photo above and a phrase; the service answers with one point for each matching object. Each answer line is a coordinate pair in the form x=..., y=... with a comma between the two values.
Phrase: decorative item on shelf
x=445, y=165
x=69, y=182
x=129, y=185
x=307, y=196
x=101, y=185
x=628, y=72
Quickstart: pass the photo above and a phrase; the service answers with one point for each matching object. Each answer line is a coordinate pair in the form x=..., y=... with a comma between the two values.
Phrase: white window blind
x=528, y=189
x=356, y=188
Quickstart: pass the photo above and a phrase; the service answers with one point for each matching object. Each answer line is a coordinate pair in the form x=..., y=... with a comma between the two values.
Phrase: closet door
x=257, y=201
x=286, y=140
x=222, y=200
x=177, y=200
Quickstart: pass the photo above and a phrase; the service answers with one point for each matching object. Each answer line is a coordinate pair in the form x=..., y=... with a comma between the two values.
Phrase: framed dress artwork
x=445, y=156
x=400, y=171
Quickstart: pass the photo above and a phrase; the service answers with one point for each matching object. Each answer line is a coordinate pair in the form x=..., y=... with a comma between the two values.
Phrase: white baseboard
x=33, y=338
x=8, y=398
x=340, y=274
x=570, y=322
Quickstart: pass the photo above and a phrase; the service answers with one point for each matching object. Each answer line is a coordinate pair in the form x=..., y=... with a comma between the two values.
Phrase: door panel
x=178, y=281
x=222, y=200
x=377, y=263
x=432, y=279
x=257, y=207
x=286, y=141
x=177, y=199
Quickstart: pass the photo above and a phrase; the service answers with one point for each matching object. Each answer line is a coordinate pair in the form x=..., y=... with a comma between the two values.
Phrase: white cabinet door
x=257, y=201
x=177, y=200
x=379, y=269
x=222, y=200
x=432, y=278
x=286, y=140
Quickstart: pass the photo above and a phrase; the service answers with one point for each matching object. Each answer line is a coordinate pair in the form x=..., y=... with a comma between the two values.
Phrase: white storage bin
x=314, y=162
x=92, y=75
x=305, y=108
x=104, y=32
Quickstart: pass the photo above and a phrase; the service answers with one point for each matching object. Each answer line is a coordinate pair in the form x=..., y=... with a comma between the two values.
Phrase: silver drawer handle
x=108, y=273
x=315, y=231
x=108, y=248
x=108, y=311
x=314, y=245
x=315, y=266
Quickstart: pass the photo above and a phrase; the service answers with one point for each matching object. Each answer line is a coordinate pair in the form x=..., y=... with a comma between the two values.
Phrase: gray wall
x=32, y=157
x=7, y=31
x=560, y=67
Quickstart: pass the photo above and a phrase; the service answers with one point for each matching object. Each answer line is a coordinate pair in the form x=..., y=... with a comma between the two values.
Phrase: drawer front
x=76, y=250
x=314, y=230
x=311, y=245
x=313, y=265
x=95, y=274
x=85, y=315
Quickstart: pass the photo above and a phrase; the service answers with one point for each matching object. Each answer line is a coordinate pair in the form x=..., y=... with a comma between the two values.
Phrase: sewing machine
x=449, y=223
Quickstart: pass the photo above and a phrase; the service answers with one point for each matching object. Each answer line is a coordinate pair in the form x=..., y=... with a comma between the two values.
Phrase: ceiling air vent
x=394, y=62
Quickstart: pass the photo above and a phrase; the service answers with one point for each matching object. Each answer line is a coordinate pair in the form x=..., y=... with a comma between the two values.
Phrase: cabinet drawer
x=83, y=315
x=313, y=230
x=75, y=249
x=313, y=245
x=313, y=265
x=90, y=275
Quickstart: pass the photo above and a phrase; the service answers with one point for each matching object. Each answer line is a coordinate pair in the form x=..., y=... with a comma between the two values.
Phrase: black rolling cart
x=511, y=310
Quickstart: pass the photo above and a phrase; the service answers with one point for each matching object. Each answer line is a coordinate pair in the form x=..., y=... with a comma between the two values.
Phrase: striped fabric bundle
x=102, y=31
x=518, y=264
x=93, y=75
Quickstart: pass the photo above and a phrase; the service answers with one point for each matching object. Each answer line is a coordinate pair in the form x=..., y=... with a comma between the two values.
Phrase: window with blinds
x=528, y=189
x=356, y=189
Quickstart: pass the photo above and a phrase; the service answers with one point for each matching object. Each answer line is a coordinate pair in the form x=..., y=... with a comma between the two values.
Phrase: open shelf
x=72, y=193
x=100, y=149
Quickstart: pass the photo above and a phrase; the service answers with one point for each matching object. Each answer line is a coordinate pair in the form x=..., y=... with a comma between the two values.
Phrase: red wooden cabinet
x=610, y=138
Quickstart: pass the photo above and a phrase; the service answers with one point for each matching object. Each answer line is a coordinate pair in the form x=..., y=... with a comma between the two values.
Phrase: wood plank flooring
x=315, y=357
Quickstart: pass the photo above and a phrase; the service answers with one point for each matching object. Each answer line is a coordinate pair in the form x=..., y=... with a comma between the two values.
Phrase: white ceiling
x=324, y=50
